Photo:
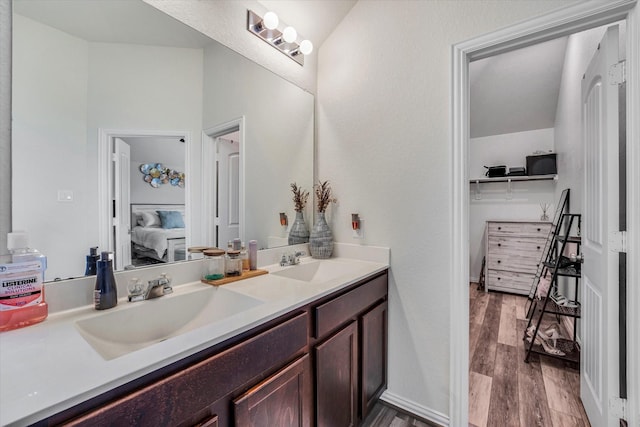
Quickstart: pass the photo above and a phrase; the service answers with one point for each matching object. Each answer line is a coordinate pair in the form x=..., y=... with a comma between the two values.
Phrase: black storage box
x=542, y=164
x=517, y=171
x=496, y=171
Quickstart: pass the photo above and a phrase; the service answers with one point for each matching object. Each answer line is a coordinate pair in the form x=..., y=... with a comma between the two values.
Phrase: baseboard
x=415, y=408
x=474, y=279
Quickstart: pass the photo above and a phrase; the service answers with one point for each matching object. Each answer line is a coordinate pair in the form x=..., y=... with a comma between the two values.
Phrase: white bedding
x=155, y=237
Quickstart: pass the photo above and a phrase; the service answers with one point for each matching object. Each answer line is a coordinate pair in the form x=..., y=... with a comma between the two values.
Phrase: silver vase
x=321, y=239
x=299, y=232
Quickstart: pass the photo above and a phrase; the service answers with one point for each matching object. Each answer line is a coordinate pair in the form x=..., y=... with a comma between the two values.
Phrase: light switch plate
x=65, y=195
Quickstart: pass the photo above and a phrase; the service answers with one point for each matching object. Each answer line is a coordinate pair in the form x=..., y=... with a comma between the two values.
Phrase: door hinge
x=114, y=157
x=618, y=407
x=618, y=241
x=216, y=221
x=618, y=73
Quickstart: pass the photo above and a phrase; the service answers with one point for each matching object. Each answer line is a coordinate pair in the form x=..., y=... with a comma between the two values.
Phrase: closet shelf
x=567, y=272
x=553, y=177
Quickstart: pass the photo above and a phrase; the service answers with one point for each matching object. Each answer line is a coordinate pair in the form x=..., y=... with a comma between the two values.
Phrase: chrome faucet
x=291, y=259
x=155, y=288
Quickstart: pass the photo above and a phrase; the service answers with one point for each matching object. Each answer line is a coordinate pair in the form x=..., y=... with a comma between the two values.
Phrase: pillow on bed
x=171, y=219
x=149, y=219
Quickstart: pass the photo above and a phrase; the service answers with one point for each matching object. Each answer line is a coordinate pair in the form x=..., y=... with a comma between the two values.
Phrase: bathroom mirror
x=87, y=73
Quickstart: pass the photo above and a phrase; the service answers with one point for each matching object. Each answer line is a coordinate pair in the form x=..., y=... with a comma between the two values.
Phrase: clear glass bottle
x=233, y=264
x=244, y=255
x=213, y=265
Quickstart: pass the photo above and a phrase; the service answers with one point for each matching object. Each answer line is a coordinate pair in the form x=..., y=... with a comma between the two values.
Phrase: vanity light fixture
x=286, y=41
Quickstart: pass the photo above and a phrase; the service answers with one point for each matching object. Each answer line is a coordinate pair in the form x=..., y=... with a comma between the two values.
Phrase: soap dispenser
x=92, y=259
x=105, y=294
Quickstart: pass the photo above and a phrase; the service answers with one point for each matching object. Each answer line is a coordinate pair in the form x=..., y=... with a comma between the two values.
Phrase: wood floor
x=503, y=389
x=384, y=415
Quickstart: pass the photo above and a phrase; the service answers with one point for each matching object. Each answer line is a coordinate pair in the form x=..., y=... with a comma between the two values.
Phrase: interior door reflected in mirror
x=77, y=86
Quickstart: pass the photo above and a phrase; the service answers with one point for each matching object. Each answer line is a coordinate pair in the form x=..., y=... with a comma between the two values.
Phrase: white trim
x=415, y=408
x=105, y=176
x=208, y=176
x=564, y=21
x=633, y=216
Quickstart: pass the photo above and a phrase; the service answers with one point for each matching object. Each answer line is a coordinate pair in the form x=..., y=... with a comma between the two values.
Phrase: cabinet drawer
x=509, y=280
x=522, y=229
x=516, y=263
x=516, y=245
x=339, y=310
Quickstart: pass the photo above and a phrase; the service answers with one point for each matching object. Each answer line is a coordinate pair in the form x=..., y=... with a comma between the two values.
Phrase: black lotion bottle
x=105, y=294
x=92, y=259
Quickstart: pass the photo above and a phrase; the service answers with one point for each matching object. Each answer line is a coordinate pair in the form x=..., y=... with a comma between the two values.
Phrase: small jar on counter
x=233, y=263
x=213, y=265
x=244, y=255
x=196, y=252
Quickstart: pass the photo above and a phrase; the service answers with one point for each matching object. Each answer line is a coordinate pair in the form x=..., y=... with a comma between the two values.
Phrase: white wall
x=278, y=114
x=171, y=154
x=383, y=140
x=511, y=150
x=112, y=86
x=226, y=22
x=50, y=81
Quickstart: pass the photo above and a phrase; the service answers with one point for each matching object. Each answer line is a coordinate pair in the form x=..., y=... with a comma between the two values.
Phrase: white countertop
x=49, y=367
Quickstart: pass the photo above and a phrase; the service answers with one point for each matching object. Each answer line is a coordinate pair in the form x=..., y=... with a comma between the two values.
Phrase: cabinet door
x=374, y=356
x=337, y=379
x=283, y=399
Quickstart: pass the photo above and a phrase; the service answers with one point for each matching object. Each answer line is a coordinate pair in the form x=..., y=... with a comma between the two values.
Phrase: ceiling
x=516, y=91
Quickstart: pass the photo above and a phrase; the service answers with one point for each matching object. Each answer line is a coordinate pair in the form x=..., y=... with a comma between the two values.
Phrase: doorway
x=223, y=182
x=563, y=22
x=143, y=171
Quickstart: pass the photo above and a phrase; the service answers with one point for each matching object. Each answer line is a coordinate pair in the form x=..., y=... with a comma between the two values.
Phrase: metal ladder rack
x=552, y=302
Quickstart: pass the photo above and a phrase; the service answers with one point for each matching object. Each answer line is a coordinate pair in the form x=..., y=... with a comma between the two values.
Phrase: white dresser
x=513, y=251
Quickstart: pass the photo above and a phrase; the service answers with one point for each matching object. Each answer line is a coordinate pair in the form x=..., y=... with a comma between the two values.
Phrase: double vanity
x=304, y=345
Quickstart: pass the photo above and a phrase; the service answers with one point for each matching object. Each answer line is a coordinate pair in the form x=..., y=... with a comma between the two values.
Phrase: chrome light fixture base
x=255, y=26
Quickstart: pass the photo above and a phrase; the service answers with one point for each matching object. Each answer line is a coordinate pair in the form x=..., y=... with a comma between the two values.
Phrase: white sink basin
x=317, y=271
x=141, y=324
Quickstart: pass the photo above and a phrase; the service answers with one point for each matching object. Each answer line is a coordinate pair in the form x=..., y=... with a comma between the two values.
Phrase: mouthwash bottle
x=21, y=284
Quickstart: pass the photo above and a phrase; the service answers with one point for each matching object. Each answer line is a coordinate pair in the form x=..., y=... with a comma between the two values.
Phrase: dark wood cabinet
x=283, y=399
x=373, y=339
x=351, y=364
x=321, y=364
x=337, y=379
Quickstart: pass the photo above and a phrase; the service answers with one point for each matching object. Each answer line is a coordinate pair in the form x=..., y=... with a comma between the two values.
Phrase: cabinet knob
x=538, y=247
x=499, y=261
x=499, y=228
x=498, y=278
x=538, y=229
x=499, y=244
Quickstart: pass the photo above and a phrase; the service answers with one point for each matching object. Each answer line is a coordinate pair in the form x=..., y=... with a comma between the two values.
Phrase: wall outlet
x=359, y=233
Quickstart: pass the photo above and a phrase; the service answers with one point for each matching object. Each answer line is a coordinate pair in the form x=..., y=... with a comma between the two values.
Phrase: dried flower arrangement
x=300, y=197
x=323, y=195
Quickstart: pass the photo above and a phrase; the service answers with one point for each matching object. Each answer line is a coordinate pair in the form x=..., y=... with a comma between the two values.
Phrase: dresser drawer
x=530, y=246
x=509, y=281
x=521, y=229
x=523, y=264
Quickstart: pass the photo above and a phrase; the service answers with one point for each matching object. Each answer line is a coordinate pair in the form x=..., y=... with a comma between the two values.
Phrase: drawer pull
x=538, y=229
x=499, y=261
x=499, y=228
x=538, y=247
x=498, y=278
x=499, y=244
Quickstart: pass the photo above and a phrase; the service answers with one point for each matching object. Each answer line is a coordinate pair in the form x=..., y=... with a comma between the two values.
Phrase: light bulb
x=289, y=34
x=270, y=20
x=306, y=47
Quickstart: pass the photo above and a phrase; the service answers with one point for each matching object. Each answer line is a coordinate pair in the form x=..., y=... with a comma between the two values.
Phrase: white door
x=599, y=357
x=228, y=190
x=122, y=197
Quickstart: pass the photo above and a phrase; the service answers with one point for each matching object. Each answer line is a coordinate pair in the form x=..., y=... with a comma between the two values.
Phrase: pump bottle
x=105, y=294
